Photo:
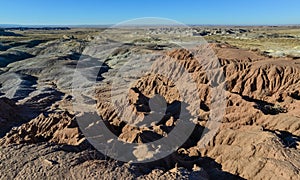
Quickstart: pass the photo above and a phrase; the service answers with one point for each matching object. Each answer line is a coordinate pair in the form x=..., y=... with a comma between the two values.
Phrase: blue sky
x=72, y=12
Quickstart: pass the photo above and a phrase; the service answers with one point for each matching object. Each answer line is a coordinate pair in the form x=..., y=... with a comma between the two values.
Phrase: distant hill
x=36, y=28
x=9, y=26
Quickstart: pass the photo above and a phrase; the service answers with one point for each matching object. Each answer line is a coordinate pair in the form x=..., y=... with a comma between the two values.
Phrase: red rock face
x=261, y=99
x=60, y=128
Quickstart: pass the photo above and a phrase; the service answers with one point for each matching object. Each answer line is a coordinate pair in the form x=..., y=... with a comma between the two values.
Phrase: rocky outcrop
x=60, y=128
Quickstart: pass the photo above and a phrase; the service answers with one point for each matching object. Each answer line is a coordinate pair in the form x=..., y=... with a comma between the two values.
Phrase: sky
x=100, y=12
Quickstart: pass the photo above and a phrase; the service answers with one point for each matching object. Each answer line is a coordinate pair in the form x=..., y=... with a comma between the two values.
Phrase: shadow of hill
x=288, y=139
x=264, y=106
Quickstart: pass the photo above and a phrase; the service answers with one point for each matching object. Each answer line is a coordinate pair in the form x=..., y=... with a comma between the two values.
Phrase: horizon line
x=3, y=26
x=111, y=24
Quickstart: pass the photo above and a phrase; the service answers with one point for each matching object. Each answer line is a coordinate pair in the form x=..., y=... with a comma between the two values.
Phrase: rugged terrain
x=258, y=117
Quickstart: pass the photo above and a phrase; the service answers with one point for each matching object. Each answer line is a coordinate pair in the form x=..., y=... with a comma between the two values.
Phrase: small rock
x=196, y=168
x=49, y=162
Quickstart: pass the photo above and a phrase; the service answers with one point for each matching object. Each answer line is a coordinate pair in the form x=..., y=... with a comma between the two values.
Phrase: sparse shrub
x=275, y=109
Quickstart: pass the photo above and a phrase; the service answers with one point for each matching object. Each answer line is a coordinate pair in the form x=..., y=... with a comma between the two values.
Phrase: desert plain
x=42, y=99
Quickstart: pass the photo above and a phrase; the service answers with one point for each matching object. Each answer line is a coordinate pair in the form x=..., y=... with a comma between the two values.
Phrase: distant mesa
x=7, y=33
